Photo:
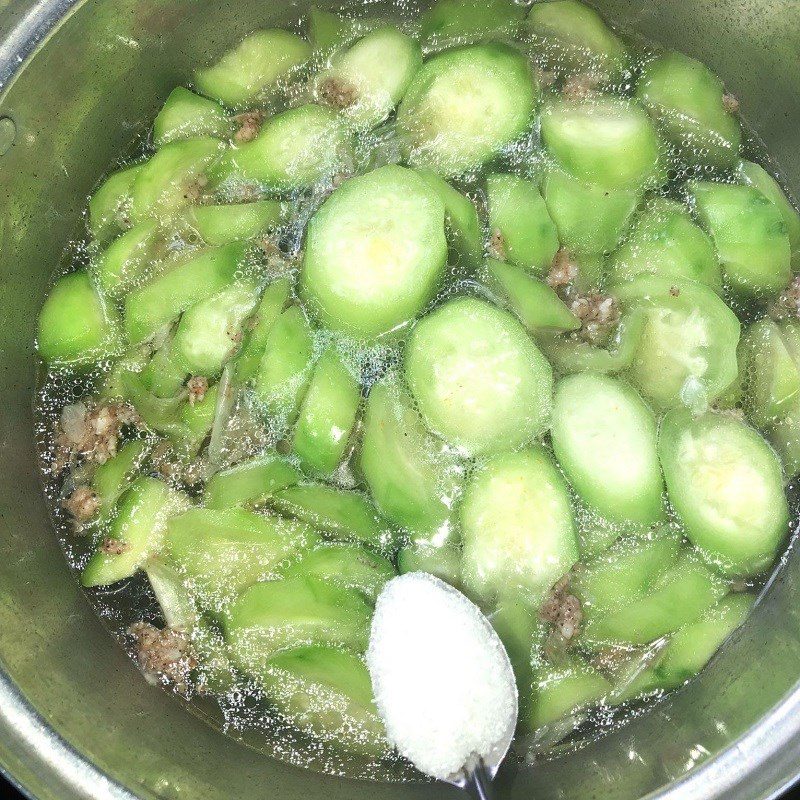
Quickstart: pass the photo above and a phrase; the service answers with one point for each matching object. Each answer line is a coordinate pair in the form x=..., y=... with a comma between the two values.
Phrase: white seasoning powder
x=442, y=679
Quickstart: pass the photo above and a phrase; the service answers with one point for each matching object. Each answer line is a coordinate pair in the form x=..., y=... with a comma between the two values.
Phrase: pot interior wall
x=93, y=85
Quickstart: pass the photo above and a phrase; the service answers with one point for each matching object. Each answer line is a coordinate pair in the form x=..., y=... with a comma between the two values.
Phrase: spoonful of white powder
x=442, y=681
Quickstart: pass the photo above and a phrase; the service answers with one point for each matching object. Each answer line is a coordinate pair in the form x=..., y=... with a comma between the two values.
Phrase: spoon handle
x=479, y=783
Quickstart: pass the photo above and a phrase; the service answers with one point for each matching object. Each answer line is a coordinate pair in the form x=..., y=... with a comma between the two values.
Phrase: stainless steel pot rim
x=762, y=757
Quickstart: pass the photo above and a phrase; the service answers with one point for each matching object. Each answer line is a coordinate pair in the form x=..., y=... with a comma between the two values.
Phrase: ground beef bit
x=197, y=386
x=249, y=125
x=82, y=504
x=730, y=102
x=91, y=432
x=545, y=77
x=562, y=610
x=114, y=547
x=579, y=87
x=599, y=315
x=497, y=245
x=163, y=654
x=563, y=271
x=194, y=189
x=337, y=92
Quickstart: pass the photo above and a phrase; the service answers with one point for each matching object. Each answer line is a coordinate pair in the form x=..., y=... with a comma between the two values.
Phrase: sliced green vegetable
x=75, y=325
x=413, y=480
x=293, y=150
x=327, y=693
x=172, y=178
x=726, y=485
x=110, y=480
x=463, y=228
x=687, y=351
x=327, y=414
x=665, y=241
x=278, y=615
x=479, y=380
x=125, y=261
x=186, y=114
x=211, y=331
x=466, y=21
x=422, y=554
x=608, y=141
x=518, y=213
x=250, y=483
x=571, y=37
x=604, y=437
x=750, y=235
x=589, y=218
x=110, y=204
x=327, y=31
x=687, y=100
x=464, y=105
x=191, y=281
x=517, y=525
x=286, y=366
x=532, y=301
x=375, y=252
x=367, y=80
x=349, y=566
x=136, y=533
x=245, y=73
x=232, y=223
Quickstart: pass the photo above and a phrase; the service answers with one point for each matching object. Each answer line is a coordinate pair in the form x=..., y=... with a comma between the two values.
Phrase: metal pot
x=77, y=81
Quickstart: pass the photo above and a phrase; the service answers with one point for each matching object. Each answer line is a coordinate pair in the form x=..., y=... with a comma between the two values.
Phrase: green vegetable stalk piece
x=173, y=177
x=109, y=205
x=517, y=525
x=565, y=689
x=295, y=612
x=348, y=566
x=293, y=150
x=625, y=572
x=479, y=380
x=223, y=224
x=250, y=483
x=127, y=258
x=196, y=420
x=769, y=356
x=286, y=367
x=689, y=103
x=210, y=332
x=413, y=481
x=173, y=597
x=604, y=437
x=367, y=80
x=570, y=37
x=75, y=326
x=223, y=551
x=327, y=694
x=462, y=226
x=532, y=301
x=255, y=66
x=164, y=375
x=375, y=253
x=686, y=354
x=518, y=217
x=421, y=554
x=327, y=414
x=607, y=141
x=110, y=480
x=589, y=219
x=666, y=241
x=759, y=178
x=464, y=105
x=136, y=533
x=201, y=275
x=340, y=515
x=678, y=597
x=467, y=21
x=750, y=235
x=186, y=114
x=272, y=303
x=726, y=485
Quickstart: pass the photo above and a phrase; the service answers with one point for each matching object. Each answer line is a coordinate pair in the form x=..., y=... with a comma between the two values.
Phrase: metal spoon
x=476, y=776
